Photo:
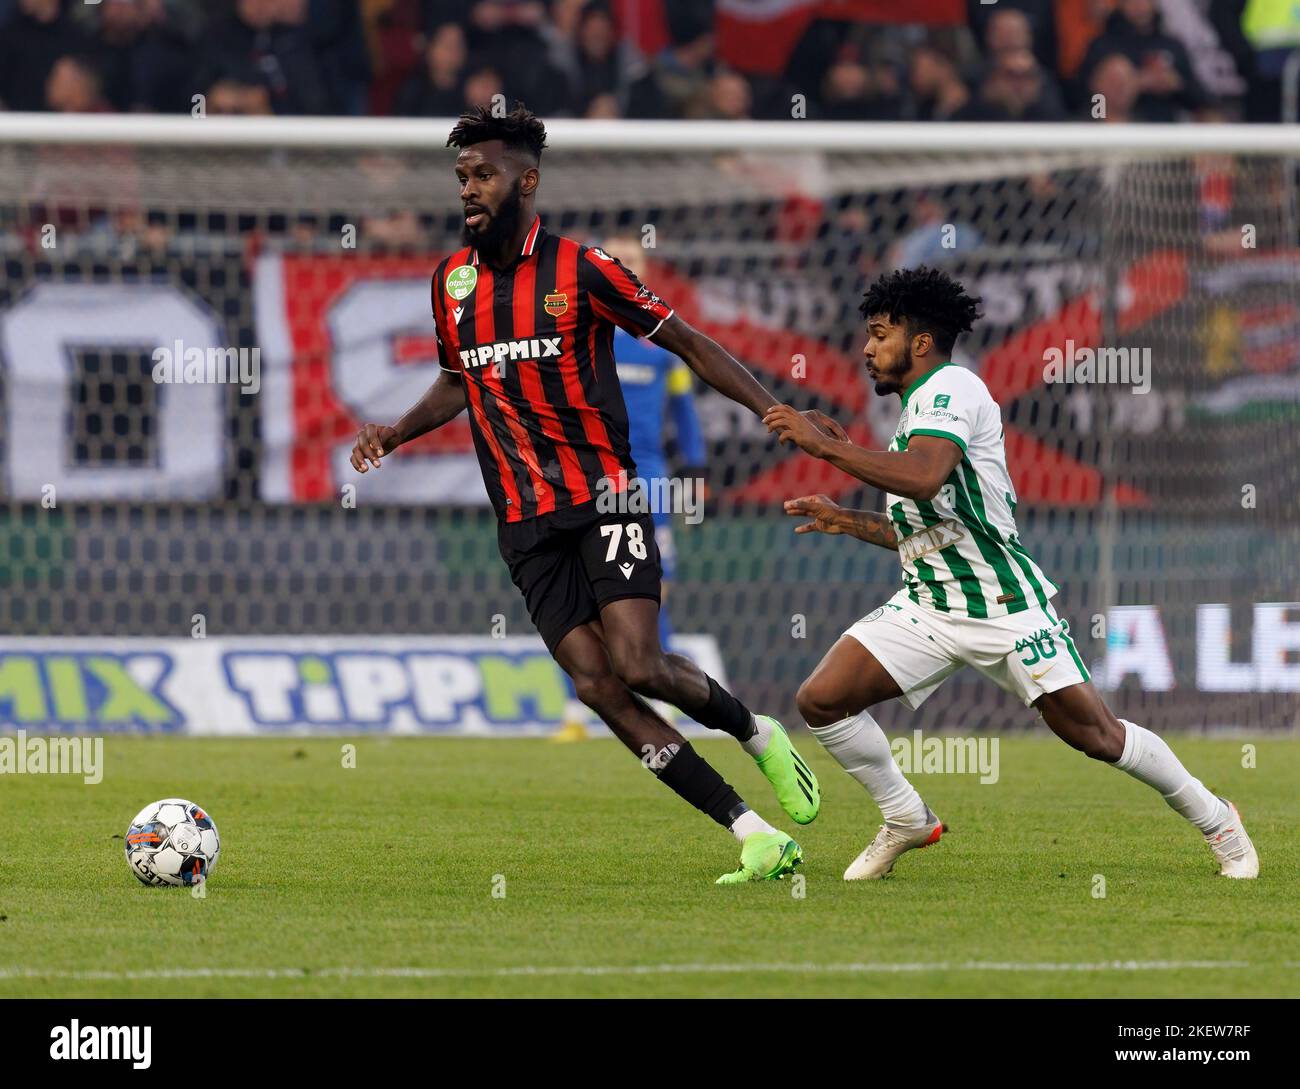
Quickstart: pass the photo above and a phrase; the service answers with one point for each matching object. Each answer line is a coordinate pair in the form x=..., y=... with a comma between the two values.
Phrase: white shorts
x=1028, y=654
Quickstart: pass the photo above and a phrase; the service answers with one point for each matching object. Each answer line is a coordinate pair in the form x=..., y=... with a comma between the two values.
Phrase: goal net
x=1141, y=334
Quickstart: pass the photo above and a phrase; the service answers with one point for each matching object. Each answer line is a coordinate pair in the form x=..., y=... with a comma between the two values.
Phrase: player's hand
x=788, y=424
x=824, y=423
x=373, y=442
x=820, y=508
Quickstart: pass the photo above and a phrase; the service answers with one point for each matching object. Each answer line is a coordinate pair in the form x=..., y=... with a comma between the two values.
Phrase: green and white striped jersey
x=960, y=551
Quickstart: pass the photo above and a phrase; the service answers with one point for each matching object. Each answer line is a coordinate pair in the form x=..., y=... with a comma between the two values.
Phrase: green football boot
x=793, y=780
x=764, y=856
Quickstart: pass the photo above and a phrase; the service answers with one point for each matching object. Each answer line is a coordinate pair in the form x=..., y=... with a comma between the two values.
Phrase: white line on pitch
x=884, y=968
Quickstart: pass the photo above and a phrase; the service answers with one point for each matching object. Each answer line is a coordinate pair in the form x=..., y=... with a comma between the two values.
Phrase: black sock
x=724, y=712
x=691, y=776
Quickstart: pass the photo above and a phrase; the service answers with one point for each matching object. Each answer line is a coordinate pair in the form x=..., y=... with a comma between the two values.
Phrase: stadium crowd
x=1026, y=60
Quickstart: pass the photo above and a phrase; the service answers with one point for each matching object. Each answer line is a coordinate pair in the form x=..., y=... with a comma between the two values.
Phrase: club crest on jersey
x=556, y=304
x=461, y=281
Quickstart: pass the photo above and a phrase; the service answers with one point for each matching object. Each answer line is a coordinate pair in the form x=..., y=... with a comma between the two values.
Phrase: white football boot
x=891, y=841
x=1232, y=847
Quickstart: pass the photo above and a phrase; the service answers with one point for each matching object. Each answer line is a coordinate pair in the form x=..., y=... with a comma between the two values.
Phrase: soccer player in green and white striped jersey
x=972, y=594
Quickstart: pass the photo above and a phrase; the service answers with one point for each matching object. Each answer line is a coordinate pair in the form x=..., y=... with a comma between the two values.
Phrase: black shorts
x=569, y=563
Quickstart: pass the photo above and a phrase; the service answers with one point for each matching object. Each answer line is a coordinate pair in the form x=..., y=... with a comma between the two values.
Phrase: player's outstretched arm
x=917, y=472
x=829, y=517
x=719, y=369
x=442, y=401
x=714, y=364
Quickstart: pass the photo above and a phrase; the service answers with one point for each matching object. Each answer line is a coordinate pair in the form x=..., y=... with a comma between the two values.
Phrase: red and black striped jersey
x=534, y=345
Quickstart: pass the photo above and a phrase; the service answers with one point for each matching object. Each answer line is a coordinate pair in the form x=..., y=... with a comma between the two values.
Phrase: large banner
x=477, y=686
x=54, y=341
x=346, y=340
x=342, y=339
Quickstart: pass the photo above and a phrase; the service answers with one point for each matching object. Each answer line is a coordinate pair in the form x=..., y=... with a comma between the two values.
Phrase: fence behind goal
x=1162, y=501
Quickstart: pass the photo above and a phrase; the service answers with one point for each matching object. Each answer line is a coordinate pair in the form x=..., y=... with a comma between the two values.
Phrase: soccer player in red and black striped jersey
x=525, y=324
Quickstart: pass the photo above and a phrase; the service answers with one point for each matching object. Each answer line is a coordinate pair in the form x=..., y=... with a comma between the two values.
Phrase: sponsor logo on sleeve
x=648, y=300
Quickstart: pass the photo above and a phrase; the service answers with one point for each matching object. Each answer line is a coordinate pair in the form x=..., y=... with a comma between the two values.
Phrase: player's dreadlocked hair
x=925, y=300
x=519, y=130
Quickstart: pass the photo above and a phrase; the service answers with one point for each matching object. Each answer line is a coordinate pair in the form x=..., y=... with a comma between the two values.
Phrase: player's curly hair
x=519, y=130
x=924, y=300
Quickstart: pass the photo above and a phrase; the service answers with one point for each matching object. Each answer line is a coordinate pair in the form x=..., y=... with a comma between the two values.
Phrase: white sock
x=1148, y=759
x=862, y=750
x=747, y=824
x=756, y=746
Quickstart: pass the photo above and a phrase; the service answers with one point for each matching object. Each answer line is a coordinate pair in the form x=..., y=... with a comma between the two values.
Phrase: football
x=172, y=842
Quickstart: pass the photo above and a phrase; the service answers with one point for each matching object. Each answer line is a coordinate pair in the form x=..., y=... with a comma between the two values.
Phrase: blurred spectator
x=387, y=178
x=1020, y=24
x=827, y=45
x=933, y=236
x=845, y=236
x=688, y=20
x=74, y=85
x=394, y=31
x=269, y=36
x=938, y=91
x=1015, y=89
x=138, y=230
x=564, y=18
x=507, y=34
x=1007, y=28
x=678, y=75
x=239, y=94
x=437, y=89
x=1168, y=86
x=727, y=97
x=598, y=63
x=603, y=108
x=335, y=31
x=561, y=35
x=1079, y=22
x=1262, y=35
x=855, y=90
x=144, y=56
x=643, y=58
x=1113, y=89
x=36, y=36
x=482, y=85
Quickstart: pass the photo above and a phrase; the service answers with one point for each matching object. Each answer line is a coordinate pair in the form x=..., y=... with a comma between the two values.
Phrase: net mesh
x=131, y=506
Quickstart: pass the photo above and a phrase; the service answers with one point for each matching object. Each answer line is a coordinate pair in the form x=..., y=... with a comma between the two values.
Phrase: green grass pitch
x=379, y=880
